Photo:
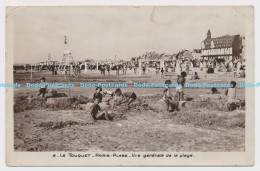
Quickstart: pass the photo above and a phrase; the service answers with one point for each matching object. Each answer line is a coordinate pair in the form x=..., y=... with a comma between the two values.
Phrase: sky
x=103, y=32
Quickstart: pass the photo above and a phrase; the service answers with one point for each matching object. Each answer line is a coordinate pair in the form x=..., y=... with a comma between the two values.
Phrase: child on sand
x=43, y=88
x=98, y=95
x=170, y=104
x=214, y=91
x=97, y=113
x=195, y=76
x=167, y=98
x=127, y=96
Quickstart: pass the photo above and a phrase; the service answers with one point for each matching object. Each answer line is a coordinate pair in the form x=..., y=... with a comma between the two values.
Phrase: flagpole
x=64, y=48
x=31, y=71
x=65, y=42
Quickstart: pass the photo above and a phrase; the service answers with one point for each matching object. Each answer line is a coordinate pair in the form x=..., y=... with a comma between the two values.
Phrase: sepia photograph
x=149, y=79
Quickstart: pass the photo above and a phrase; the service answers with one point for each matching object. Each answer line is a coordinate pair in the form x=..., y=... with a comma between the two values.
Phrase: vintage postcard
x=130, y=85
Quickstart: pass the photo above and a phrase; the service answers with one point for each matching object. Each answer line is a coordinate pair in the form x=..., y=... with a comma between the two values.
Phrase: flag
x=65, y=41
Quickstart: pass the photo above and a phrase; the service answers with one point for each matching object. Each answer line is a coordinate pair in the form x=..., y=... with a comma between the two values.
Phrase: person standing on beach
x=117, y=69
x=162, y=72
x=43, y=88
x=179, y=89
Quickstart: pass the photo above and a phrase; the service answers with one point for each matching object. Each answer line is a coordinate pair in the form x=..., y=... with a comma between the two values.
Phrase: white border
x=117, y=2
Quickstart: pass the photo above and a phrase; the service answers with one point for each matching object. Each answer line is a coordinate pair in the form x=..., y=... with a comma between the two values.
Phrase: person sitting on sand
x=55, y=94
x=43, y=88
x=179, y=89
x=97, y=113
x=127, y=96
x=195, y=76
x=214, y=90
x=98, y=95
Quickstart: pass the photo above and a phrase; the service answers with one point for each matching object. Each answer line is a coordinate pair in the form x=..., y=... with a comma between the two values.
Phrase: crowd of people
x=175, y=66
x=181, y=68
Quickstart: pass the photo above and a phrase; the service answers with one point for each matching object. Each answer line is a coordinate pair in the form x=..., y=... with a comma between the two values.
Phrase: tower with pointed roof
x=67, y=56
x=209, y=34
x=221, y=48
